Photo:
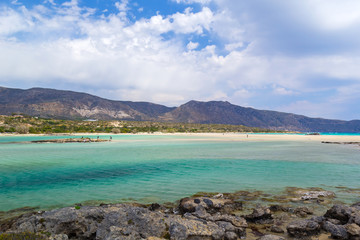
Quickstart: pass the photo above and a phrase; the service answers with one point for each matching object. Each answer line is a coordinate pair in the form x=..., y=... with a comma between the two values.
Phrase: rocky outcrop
x=303, y=228
x=219, y=217
x=207, y=218
x=70, y=140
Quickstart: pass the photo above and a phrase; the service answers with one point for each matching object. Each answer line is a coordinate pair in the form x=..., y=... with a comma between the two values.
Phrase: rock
x=278, y=208
x=127, y=220
x=118, y=233
x=220, y=195
x=271, y=237
x=299, y=194
x=303, y=228
x=276, y=229
x=211, y=205
x=303, y=211
x=231, y=236
x=356, y=205
x=208, y=202
x=355, y=218
x=337, y=231
x=154, y=206
x=339, y=212
x=226, y=226
x=311, y=195
x=59, y=237
x=353, y=230
x=200, y=212
x=235, y=220
x=318, y=219
x=181, y=228
x=259, y=214
x=178, y=231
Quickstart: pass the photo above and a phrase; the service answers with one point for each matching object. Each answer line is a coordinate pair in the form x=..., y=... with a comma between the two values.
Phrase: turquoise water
x=164, y=168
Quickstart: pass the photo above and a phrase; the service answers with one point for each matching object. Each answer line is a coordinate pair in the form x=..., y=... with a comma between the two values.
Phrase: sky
x=293, y=56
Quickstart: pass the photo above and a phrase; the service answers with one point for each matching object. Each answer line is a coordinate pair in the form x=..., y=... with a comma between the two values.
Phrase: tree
x=22, y=129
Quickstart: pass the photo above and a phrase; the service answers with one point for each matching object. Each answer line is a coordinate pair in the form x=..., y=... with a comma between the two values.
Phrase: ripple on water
x=63, y=174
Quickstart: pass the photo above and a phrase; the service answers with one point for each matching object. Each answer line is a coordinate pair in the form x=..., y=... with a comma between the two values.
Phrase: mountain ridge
x=52, y=103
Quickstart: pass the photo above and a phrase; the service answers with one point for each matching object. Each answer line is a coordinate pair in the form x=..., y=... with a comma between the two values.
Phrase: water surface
x=164, y=168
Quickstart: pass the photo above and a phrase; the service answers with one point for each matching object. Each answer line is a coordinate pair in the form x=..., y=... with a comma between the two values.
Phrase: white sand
x=227, y=136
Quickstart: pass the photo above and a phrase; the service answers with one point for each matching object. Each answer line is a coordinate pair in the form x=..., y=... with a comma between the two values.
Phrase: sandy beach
x=227, y=136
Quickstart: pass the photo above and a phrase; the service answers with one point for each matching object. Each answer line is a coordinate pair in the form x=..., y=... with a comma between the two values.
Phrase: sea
x=165, y=168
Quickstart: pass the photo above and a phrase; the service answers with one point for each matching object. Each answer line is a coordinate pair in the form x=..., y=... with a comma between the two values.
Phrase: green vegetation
x=34, y=125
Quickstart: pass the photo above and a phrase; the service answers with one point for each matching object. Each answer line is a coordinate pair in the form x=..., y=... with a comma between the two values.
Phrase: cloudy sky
x=294, y=56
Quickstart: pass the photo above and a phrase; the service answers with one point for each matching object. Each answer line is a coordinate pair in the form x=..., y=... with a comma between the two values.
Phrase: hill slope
x=53, y=103
x=73, y=105
x=227, y=113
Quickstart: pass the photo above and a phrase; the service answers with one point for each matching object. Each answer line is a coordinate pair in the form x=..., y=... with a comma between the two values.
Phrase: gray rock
x=356, y=205
x=318, y=219
x=231, y=236
x=355, y=217
x=271, y=237
x=339, y=212
x=181, y=228
x=303, y=228
x=259, y=215
x=303, y=211
x=208, y=202
x=353, y=230
x=337, y=231
x=178, y=231
x=132, y=219
x=313, y=195
x=276, y=229
x=59, y=237
x=211, y=205
x=226, y=226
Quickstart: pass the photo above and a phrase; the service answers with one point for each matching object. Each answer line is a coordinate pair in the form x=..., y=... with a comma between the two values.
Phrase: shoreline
x=221, y=136
x=242, y=214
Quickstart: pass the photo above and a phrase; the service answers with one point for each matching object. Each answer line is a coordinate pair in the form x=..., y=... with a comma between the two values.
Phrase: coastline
x=220, y=136
x=310, y=213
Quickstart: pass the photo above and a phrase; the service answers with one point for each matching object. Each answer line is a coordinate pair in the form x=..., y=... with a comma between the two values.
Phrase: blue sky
x=293, y=56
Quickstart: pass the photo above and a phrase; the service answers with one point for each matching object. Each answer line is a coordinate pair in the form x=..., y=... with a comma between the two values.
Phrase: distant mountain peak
x=52, y=103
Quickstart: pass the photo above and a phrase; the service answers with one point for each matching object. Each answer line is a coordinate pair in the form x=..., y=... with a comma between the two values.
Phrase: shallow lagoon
x=151, y=168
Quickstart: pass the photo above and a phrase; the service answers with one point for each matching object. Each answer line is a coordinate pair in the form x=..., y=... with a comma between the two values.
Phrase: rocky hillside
x=227, y=113
x=50, y=103
x=73, y=105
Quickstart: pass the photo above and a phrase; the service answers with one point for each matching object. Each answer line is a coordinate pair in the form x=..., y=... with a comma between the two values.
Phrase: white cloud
x=193, y=1
x=192, y=45
x=283, y=91
x=68, y=45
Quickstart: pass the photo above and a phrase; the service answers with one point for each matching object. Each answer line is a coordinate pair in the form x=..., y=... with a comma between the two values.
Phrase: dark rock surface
x=303, y=228
x=219, y=217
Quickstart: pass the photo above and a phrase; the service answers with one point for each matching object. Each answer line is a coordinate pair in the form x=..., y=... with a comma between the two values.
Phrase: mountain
x=227, y=113
x=53, y=103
